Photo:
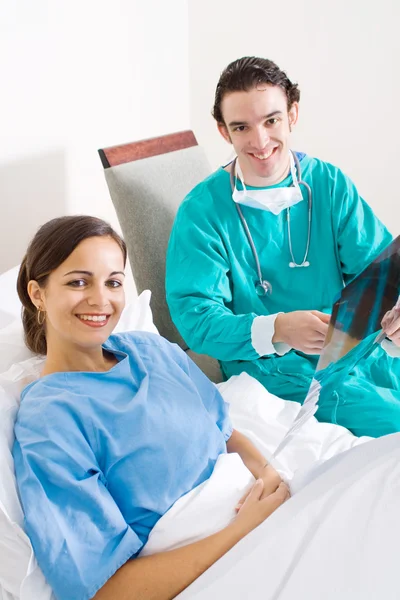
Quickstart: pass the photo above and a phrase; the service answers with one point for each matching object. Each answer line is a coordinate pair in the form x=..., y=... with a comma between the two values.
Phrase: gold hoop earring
x=41, y=316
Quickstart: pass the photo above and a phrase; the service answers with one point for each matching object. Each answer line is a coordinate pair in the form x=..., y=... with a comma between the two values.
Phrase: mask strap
x=293, y=171
x=239, y=175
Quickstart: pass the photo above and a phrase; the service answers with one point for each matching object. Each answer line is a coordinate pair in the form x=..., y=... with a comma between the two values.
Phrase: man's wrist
x=279, y=336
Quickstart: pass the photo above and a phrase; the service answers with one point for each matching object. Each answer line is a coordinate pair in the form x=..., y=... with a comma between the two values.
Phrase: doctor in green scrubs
x=311, y=232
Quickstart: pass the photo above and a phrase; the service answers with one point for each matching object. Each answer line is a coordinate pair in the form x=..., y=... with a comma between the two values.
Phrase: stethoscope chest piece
x=263, y=288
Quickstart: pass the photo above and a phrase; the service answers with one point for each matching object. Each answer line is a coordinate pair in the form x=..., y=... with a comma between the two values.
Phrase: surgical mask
x=273, y=199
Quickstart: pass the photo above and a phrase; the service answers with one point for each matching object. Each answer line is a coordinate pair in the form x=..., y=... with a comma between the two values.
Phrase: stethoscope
x=262, y=285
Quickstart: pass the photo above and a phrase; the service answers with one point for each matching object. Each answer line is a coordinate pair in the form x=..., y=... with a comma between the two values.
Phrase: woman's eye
x=114, y=283
x=77, y=283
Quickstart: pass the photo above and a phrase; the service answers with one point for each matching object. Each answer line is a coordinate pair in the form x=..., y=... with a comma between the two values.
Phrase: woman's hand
x=303, y=330
x=271, y=480
x=258, y=505
x=266, y=494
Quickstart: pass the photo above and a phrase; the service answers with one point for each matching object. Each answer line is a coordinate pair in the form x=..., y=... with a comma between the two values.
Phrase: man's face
x=258, y=124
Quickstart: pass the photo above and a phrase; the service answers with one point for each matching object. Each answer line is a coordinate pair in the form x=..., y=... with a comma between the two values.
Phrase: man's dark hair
x=248, y=72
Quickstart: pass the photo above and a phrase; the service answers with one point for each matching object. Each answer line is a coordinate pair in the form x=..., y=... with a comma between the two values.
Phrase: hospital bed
x=337, y=536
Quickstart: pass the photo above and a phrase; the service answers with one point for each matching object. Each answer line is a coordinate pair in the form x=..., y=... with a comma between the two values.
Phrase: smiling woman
x=92, y=431
x=71, y=287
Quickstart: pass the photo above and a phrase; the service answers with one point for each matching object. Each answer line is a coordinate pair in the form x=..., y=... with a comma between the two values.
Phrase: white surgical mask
x=273, y=199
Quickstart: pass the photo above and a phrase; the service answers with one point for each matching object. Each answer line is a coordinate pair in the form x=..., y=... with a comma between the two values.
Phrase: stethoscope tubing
x=262, y=284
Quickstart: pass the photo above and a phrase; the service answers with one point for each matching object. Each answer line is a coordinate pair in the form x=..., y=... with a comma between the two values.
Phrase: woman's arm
x=162, y=576
x=252, y=458
x=255, y=462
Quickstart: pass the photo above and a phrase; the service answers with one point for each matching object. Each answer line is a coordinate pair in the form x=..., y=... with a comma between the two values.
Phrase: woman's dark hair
x=50, y=247
x=248, y=72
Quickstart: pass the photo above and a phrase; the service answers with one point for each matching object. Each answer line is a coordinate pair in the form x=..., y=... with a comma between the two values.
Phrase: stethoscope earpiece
x=293, y=265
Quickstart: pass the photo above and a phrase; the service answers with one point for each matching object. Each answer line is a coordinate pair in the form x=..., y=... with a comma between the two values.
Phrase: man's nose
x=260, y=138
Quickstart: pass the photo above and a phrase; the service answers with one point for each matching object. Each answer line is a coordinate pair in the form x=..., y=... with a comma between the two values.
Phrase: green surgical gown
x=211, y=276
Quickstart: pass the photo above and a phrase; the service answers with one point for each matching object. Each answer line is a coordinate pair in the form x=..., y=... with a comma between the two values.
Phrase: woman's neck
x=67, y=359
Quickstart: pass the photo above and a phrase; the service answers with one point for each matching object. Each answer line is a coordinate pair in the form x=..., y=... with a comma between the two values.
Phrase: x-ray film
x=355, y=328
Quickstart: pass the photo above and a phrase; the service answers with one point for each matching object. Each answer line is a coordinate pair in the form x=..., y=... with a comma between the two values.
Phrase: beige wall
x=345, y=56
x=76, y=76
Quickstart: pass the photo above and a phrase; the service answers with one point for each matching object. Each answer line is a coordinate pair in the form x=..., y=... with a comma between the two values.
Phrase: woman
x=115, y=430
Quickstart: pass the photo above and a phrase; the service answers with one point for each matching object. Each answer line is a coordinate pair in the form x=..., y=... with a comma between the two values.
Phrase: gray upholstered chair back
x=147, y=181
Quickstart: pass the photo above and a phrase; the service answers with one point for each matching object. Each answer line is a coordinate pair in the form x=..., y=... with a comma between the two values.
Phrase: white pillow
x=19, y=574
x=16, y=555
x=10, y=306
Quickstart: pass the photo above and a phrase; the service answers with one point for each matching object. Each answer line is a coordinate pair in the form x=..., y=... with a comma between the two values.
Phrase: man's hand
x=303, y=330
x=391, y=324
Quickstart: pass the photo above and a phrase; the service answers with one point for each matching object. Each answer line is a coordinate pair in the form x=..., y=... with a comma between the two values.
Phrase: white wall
x=78, y=75
x=344, y=56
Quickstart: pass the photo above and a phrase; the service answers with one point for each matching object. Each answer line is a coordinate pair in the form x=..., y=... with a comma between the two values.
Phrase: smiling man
x=261, y=249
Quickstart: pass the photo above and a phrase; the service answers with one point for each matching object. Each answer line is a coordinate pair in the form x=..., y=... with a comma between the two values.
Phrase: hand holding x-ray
x=391, y=323
x=366, y=312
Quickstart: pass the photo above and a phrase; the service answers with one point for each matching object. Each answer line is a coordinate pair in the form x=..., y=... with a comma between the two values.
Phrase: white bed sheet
x=336, y=538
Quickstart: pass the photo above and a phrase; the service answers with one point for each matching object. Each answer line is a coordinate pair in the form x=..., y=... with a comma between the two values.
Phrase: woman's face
x=84, y=297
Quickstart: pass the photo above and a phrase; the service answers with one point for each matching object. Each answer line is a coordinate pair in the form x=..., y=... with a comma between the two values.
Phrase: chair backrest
x=148, y=180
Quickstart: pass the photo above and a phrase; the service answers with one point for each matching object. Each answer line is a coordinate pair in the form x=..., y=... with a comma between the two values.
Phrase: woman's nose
x=98, y=296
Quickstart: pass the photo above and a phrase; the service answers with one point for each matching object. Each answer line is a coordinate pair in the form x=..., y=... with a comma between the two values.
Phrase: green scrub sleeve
x=198, y=289
x=361, y=236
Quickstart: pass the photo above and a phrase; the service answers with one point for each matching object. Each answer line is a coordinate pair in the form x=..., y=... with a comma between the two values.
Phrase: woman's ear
x=36, y=293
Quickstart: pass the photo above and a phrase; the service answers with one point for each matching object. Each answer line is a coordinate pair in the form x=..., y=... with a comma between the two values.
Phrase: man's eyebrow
x=238, y=123
x=90, y=274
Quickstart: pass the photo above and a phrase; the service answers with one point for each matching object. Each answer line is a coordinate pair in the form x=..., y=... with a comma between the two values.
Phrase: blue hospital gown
x=100, y=457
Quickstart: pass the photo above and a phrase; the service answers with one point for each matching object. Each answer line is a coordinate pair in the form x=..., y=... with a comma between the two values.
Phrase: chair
x=147, y=181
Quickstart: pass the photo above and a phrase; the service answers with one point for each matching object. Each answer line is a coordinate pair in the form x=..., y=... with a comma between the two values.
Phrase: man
x=309, y=239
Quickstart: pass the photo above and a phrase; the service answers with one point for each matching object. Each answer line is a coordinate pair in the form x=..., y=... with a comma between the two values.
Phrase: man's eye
x=77, y=283
x=239, y=128
x=273, y=121
x=114, y=283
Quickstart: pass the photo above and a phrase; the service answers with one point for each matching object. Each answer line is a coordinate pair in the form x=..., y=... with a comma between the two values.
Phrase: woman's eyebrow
x=90, y=274
x=77, y=271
